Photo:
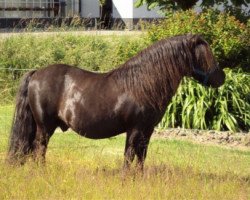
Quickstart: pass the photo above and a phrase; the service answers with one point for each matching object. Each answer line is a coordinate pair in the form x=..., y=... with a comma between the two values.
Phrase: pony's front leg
x=141, y=153
x=142, y=147
x=129, y=151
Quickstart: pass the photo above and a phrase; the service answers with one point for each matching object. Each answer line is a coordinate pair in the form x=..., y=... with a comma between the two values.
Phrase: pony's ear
x=196, y=40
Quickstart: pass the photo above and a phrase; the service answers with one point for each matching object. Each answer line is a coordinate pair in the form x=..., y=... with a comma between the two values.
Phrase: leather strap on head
x=204, y=75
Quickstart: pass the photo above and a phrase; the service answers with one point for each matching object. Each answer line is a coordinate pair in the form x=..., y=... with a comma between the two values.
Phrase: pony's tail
x=23, y=126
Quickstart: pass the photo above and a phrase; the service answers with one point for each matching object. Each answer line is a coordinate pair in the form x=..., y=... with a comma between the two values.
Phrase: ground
x=240, y=140
x=80, y=168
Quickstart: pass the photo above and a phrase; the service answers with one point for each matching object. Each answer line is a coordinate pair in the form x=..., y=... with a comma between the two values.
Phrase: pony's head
x=205, y=68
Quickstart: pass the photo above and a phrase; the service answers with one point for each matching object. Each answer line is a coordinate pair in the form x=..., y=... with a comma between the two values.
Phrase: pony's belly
x=100, y=130
x=99, y=135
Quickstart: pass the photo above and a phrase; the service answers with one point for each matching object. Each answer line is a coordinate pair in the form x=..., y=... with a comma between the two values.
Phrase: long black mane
x=155, y=73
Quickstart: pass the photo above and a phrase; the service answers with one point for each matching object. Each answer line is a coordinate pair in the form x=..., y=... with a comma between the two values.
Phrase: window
x=38, y=8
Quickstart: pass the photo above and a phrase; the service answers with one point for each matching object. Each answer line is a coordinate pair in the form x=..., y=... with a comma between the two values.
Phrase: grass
x=80, y=168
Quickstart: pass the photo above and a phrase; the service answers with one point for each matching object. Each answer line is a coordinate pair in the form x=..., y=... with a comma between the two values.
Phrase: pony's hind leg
x=129, y=150
x=40, y=143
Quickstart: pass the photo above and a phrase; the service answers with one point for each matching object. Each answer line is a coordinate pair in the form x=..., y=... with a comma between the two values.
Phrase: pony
x=131, y=98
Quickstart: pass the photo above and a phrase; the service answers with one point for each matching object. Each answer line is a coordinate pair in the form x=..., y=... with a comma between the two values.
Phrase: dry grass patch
x=78, y=168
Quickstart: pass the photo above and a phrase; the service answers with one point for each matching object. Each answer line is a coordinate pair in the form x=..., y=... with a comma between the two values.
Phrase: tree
x=167, y=4
x=184, y=4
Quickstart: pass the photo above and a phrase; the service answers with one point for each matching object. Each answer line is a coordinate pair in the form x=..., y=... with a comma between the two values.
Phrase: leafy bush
x=229, y=39
x=225, y=108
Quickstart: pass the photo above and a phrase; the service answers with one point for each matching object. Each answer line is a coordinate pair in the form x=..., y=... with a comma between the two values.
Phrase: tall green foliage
x=225, y=108
x=238, y=7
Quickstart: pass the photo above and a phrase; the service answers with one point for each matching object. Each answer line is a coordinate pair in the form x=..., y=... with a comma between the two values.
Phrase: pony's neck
x=154, y=75
x=149, y=88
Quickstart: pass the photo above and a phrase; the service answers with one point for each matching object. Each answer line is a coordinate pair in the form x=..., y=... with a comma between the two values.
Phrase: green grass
x=80, y=168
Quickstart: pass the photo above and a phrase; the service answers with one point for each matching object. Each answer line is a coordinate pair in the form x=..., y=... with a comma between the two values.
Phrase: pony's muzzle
x=217, y=78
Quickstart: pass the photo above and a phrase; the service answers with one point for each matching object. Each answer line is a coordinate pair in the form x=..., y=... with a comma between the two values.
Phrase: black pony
x=131, y=98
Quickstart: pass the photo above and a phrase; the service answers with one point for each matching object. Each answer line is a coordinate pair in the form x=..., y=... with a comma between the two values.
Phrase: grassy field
x=79, y=168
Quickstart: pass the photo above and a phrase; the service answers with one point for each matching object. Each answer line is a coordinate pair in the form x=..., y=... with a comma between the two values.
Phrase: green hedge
x=229, y=39
x=19, y=54
x=92, y=53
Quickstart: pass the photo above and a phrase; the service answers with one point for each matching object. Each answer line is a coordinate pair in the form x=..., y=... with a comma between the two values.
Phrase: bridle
x=204, y=75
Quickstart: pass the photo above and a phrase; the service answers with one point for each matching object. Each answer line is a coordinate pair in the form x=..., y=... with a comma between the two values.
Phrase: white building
x=111, y=11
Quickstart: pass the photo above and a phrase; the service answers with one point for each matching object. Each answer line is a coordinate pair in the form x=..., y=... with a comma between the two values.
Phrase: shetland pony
x=131, y=98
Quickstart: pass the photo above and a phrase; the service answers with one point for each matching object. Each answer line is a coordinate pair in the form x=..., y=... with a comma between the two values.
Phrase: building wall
x=123, y=9
x=90, y=8
x=126, y=9
x=19, y=11
x=23, y=8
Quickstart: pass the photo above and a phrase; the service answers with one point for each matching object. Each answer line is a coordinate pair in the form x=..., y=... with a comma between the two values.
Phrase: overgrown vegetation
x=31, y=52
x=227, y=108
x=228, y=38
x=19, y=54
